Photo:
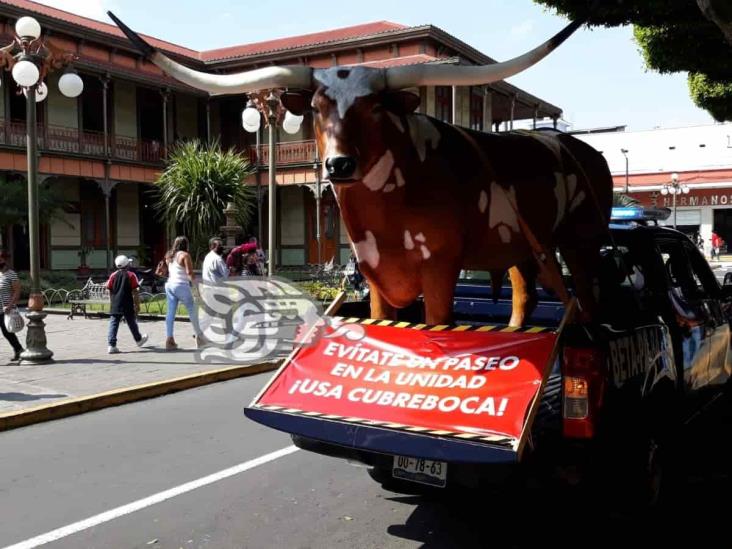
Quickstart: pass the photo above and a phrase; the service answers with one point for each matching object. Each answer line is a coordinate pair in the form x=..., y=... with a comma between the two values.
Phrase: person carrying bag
x=10, y=320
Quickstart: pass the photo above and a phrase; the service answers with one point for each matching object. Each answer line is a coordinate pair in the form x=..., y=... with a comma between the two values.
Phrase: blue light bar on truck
x=638, y=213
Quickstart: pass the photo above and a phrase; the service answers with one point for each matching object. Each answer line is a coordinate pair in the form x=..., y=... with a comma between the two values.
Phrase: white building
x=700, y=155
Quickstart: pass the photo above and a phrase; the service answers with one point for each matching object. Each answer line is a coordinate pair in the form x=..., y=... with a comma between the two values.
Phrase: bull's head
x=349, y=102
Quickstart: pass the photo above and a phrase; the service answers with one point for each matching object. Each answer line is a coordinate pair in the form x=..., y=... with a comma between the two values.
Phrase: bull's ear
x=401, y=102
x=297, y=102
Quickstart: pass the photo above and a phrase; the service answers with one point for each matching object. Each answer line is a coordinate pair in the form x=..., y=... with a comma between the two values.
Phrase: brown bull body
x=432, y=200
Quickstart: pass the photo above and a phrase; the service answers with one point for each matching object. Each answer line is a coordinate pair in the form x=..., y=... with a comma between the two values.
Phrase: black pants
x=12, y=338
x=114, y=320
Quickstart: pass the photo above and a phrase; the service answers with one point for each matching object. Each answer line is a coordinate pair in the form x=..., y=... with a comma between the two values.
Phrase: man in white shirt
x=214, y=267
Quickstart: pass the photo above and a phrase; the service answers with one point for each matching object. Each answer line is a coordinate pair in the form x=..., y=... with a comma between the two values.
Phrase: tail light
x=582, y=372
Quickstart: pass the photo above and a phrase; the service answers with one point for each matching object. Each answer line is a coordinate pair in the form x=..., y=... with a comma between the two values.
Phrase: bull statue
x=422, y=199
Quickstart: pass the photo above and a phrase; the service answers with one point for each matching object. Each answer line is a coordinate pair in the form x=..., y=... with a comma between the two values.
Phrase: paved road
x=59, y=473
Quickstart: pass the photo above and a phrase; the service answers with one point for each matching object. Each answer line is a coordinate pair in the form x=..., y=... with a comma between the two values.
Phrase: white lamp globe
x=250, y=119
x=41, y=92
x=27, y=27
x=664, y=191
x=685, y=189
x=251, y=129
x=25, y=73
x=70, y=84
x=292, y=123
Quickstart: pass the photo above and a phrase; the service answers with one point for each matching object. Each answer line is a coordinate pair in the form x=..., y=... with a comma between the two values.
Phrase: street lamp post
x=30, y=59
x=673, y=189
x=625, y=154
x=268, y=103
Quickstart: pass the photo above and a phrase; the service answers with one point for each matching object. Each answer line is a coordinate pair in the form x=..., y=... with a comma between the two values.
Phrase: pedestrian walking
x=178, y=290
x=124, y=294
x=9, y=296
x=716, y=245
x=214, y=267
x=236, y=260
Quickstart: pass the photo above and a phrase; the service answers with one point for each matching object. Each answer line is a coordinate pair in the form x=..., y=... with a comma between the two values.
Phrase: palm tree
x=196, y=186
x=621, y=200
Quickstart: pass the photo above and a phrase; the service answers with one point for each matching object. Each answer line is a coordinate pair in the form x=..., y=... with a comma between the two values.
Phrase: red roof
x=323, y=37
x=415, y=59
x=344, y=33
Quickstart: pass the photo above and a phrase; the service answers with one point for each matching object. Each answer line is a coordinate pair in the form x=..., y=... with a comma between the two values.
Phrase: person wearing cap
x=9, y=295
x=123, y=287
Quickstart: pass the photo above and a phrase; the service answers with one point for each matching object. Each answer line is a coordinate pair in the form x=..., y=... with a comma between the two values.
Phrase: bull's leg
x=380, y=308
x=524, y=296
x=438, y=285
x=583, y=262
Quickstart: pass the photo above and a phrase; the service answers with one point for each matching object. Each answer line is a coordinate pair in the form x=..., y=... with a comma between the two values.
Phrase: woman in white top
x=178, y=288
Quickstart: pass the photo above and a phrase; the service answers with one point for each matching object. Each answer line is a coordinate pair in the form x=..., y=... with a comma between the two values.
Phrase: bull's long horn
x=451, y=75
x=293, y=76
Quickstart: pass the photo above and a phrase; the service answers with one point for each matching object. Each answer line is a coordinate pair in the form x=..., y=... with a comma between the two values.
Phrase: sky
x=597, y=76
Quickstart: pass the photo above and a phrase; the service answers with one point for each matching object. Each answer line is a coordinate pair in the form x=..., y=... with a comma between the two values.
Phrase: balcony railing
x=85, y=142
x=291, y=152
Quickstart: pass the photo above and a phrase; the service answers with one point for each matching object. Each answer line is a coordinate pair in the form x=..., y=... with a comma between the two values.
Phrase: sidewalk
x=83, y=368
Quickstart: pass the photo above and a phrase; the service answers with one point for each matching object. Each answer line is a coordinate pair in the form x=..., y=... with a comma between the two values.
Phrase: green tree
x=14, y=203
x=674, y=36
x=197, y=184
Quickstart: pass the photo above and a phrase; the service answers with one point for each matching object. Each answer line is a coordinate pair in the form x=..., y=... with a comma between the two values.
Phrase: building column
x=105, y=89
x=106, y=187
x=536, y=114
x=487, y=109
x=707, y=223
x=514, y=97
x=454, y=105
x=166, y=95
x=208, y=120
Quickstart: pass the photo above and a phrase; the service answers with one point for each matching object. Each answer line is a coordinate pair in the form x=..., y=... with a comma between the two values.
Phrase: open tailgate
x=461, y=394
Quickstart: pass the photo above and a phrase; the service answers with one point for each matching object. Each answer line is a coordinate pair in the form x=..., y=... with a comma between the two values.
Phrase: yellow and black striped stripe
x=445, y=327
x=499, y=440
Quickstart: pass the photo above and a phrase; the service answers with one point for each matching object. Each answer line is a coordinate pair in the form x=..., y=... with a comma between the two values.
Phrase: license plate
x=423, y=471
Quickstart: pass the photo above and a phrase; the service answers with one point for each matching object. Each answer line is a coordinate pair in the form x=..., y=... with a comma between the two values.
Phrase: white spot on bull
x=502, y=212
x=483, y=201
x=399, y=177
x=379, y=172
x=346, y=84
x=425, y=252
x=396, y=120
x=408, y=242
x=367, y=251
x=565, y=191
x=390, y=187
x=419, y=237
x=422, y=131
x=578, y=199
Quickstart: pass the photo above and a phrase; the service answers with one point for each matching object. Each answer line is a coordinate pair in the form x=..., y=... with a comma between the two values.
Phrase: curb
x=126, y=395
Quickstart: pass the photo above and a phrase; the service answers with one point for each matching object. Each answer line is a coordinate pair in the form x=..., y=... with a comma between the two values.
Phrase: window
x=476, y=109
x=443, y=103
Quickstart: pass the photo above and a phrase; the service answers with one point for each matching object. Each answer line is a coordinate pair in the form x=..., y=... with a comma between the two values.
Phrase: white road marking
x=112, y=514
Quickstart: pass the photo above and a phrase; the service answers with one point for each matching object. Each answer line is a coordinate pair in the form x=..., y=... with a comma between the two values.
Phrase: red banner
x=454, y=380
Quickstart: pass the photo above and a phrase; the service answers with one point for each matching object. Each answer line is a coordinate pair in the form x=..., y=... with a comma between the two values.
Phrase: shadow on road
x=26, y=397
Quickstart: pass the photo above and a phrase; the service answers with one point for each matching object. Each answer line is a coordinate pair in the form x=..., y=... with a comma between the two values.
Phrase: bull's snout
x=340, y=167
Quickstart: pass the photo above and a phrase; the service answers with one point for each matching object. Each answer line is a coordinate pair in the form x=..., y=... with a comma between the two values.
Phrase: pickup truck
x=619, y=397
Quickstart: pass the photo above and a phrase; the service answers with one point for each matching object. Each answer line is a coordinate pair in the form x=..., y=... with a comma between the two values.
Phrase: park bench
x=91, y=294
